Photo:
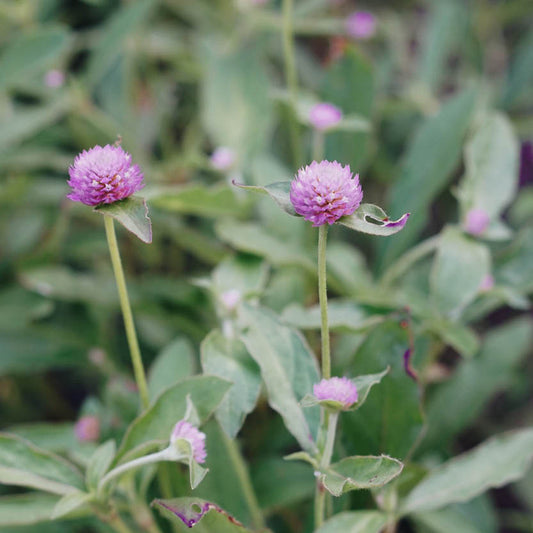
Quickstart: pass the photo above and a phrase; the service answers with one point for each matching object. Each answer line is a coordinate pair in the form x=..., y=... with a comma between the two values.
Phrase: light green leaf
x=229, y=359
x=460, y=265
x=56, y=437
x=288, y=368
x=512, y=267
x=494, y=463
x=69, y=503
x=99, y=463
x=428, y=165
x=360, y=472
x=31, y=52
x=244, y=273
x=132, y=213
x=154, y=426
x=461, y=338
x=445, y=521
x=371, y=219
x=355, y=522
x=174, y=363
x=279, y=192
x=26, y=509
x=205, y=517
x=22, y=463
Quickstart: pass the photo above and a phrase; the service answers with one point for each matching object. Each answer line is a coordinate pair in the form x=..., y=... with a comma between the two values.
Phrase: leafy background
x=445, y=88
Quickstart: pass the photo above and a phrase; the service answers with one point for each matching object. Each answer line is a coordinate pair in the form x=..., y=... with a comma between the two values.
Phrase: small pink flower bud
x=324, y=116
x=230, y=299
x=103, y=175
x=335, y=389
x=324, y=192
x=223, y=158
x=87, y=429
x=487, y=283
x=185, y=430
x=54, y=78
x=477, y=221
x=361, y=25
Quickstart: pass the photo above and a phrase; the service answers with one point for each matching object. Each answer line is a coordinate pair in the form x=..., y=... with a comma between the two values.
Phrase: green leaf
x=205, y=517
x=22, y=463
x=245, y=273
x=196, y=472
x=460, y=266
x=99, y=463
x=491, y=159
x=26, y=509
x=494, y=463
x=512, y=266
x=521, y=72
x=360, y=472
x=31, y=52
x=69, y=503
x=288, y=368
x=445, y=521
x=229, y=359
x=371, y=219
x=56, y=437
x=174, y=363
x=154, y=426
x=132, y=213
x=355, y=522
x=279, y=192
x=380, y=427
x=461, y=338
x=110, y=43
x=428, y=166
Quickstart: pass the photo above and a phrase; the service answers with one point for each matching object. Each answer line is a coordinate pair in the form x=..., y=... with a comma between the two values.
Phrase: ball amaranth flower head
x=324, y=192
x=103, y=175
x=185, y=430
x=324, y=116
x=341, y=390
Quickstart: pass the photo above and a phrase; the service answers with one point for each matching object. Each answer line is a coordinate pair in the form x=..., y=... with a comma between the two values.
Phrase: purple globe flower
x=185, y=430
x=324, y=116
x=477, y=221
x=361, y=25
x=340, y=390
x=103, y=175
x=324, y=192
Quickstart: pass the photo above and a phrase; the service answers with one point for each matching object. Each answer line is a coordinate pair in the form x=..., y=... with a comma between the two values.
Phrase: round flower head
x=324, y=116
x=223, y=158
x=103, y=175
x=340, y=390
x=324, y=192
x=477, y=221
x=361, y=25
x=184, y=430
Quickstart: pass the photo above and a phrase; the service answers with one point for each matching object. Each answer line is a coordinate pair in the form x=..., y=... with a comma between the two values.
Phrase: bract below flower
x=324, y=192
x=185, y=430
x=103, y=175
x=336, y=389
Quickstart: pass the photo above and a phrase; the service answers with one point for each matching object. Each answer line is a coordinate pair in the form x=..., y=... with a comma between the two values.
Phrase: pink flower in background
x=340, y=390
x=324, y=116
x=54, y=78
x=223, y=158
x=324, y=192
x=487, y=283
x=185, y=430
x=231, y=299
x=361, y=25
x=87, y=429
x=477, y=221
x=103, y=175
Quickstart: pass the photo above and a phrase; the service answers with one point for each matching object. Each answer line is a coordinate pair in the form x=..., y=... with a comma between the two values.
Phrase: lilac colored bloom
x=477, y=221
x=103, y=175
x=324, y=116
x=185, y=430
x=324, y=192
x=223, y=158
x=87, y=429
x=340, y=390
x=487, y=283
x=361, y=25
x=54, y=78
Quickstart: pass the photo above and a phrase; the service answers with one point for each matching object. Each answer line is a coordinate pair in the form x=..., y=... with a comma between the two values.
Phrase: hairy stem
x=323, y=299
x=135, y=352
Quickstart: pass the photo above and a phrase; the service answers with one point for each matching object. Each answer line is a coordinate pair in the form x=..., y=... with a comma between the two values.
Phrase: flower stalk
x=323, y=299
x=135, y=352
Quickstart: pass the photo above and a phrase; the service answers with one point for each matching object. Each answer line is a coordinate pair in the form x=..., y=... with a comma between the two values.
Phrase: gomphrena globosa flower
x=324, y=116
x=185, y=430
x=477, y=221
x=335, y=389
x=361, y=25
x=103, y=175
x=324, y=192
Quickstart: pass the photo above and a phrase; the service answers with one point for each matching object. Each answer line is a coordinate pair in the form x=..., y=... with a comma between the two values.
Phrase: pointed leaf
x=69, y=503
x=26, y=509
x=371, y=219
x=279, y=192
x=99, y=463
x=355, y=522
x=360, y=472
x=494, y=463
x=132, y=213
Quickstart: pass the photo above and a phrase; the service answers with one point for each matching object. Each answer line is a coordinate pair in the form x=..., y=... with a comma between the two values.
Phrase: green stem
x=318, y=145
x=320, y=503
x=330, y=440
x=291, y=78
x=323, y=299
x=244, y=479
x=135, y=352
